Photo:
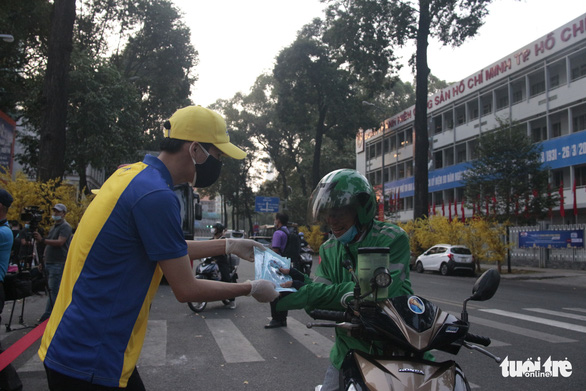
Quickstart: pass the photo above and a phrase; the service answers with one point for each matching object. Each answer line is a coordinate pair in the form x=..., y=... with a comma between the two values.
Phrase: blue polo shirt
x=99, y=320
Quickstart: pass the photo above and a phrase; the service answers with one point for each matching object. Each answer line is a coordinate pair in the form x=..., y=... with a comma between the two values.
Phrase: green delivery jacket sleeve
x=333, y=285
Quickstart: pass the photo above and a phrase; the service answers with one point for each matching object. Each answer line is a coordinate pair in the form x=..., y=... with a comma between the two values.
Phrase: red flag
x=450, y=211
x=549, y=199
x=462, y=211
x=561, y=191
x=487, y=206
x=443, y=209
x=433, y=208
x=575, y=204
x=455, y=208
x=494, y=205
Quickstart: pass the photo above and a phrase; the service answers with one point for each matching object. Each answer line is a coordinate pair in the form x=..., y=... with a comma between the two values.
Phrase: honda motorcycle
x=403, y=329
x=209, y=270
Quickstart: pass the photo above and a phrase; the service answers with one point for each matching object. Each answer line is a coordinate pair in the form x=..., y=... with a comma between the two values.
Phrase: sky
x=237, y=40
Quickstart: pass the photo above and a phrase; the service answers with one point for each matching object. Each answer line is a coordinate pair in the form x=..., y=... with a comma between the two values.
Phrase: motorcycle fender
x=407, y=374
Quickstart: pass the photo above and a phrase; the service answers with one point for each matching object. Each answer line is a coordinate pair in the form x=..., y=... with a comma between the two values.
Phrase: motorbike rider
x=345, y=202
x=223, y=260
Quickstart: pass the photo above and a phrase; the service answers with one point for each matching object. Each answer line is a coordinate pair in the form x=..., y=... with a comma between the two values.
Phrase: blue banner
x=552, y=239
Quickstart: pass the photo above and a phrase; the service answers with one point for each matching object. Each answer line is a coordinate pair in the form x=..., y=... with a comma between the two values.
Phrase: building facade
x=542, y=86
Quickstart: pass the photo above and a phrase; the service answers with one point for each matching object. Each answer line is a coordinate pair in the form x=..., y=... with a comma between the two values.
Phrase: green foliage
x=44, y=195
x=313, y=235
x=508, y=169
x=485, y=238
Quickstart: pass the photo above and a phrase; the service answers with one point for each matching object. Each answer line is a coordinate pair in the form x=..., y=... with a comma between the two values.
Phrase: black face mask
x=208, y=172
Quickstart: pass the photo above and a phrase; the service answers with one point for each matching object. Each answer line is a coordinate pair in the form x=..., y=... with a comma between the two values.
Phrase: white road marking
x=535, y=319
x=557, y=313
x=232, y=343
x=547, y=337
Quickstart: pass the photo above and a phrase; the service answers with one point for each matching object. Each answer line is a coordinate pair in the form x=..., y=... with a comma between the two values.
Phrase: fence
x=560, y=258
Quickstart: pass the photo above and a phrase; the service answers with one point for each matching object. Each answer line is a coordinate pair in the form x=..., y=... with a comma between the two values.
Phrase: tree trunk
x=420, y=204
x=55, y=89
x=319, y=135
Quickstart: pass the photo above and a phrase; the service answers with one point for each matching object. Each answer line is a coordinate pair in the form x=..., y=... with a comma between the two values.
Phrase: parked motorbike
x=306, y=261
x=209, y=270
x=404, y=328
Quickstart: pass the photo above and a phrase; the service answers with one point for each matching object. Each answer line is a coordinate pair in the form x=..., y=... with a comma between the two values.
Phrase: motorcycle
x=209, y=270
x=306, y=260
x=404, y=328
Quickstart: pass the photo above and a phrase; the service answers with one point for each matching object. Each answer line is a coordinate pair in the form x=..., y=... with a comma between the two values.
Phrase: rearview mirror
x=485, y=287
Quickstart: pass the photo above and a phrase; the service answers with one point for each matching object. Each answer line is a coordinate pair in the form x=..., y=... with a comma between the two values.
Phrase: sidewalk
x=557, y=276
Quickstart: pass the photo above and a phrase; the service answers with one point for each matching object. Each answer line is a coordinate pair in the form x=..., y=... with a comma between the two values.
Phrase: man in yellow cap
x=129, y=237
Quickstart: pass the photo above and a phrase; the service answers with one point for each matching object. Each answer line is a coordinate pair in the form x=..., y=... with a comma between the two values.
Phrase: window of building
x=557, y=73
x=461, y=114
x=393, y=172
x=578, y=118
x=408, y=137
x=387, y=145
x=559, y=176
x=401, y=170
x=502, y=97
x=559, y=124
x=518, y=90
x=437, y=124
x=386, y=175
x=537, y=82
x=580, y=175
x=393, y=139
x=472, y=109
x=473, y=149
x=578, y=64
x=438, y=159
x=486, y=103
x=448, y=157
x=378, y=147
x=461, y=153
x=538, y=130
x=409, y=168
x=449, y=120
x=401, y=139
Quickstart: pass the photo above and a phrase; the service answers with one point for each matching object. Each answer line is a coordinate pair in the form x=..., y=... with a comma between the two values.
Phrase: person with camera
x=9, y=379
x=56, y=247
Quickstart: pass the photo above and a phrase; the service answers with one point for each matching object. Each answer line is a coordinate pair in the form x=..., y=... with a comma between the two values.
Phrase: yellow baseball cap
x=196, y=123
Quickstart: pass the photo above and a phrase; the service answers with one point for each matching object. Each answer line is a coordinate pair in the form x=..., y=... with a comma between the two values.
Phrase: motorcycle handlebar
x=336, y=316
x=484, y=341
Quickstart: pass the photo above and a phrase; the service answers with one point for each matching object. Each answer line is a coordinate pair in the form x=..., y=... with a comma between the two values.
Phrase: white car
x=446, y=258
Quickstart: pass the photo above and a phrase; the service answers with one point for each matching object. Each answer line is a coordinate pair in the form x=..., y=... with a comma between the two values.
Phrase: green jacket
x=333, y=285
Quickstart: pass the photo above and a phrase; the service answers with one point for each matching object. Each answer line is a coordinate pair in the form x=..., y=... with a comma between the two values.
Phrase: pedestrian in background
x=279, y=242
x=9, y=379
x=56, y=247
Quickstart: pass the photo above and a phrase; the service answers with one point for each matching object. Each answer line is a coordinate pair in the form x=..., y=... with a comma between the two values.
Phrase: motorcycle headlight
x=382, y=277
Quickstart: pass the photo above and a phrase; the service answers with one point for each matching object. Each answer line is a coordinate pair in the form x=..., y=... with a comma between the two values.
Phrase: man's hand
x=37, y=236
x=263, y=291
x=244, y=248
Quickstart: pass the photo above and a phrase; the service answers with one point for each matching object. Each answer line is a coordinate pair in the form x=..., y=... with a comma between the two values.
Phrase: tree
x=395, y=23
x=317, y=96
x=54, y=101
x=509, y=177
x=28, y=22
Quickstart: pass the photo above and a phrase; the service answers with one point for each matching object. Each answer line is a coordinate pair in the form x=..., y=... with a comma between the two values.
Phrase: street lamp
x=7, y=37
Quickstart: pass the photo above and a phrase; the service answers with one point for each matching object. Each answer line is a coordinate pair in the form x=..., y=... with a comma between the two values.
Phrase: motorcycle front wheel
x=197, y=306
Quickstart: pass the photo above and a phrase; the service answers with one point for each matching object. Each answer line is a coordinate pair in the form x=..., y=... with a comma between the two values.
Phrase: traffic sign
x=266, y=204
